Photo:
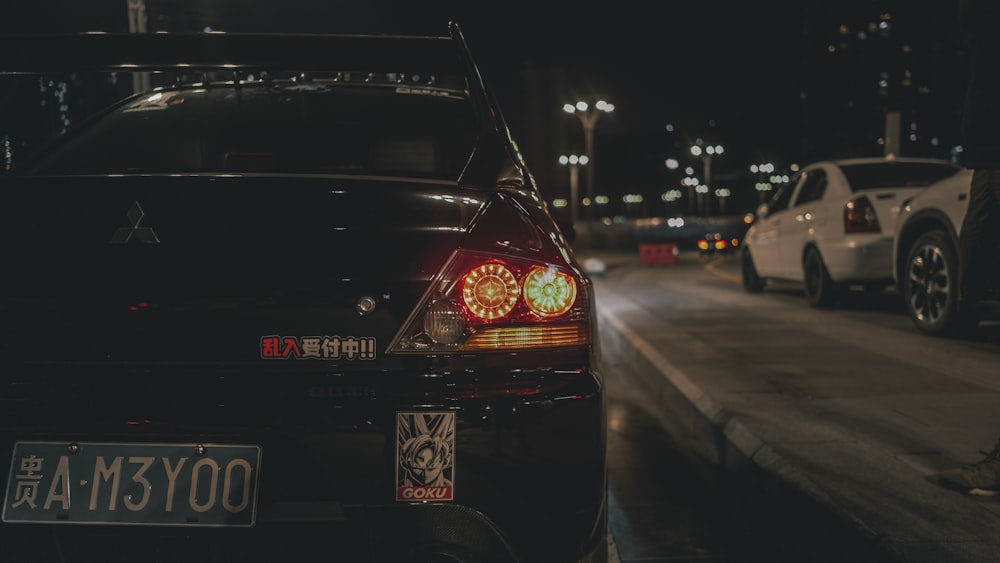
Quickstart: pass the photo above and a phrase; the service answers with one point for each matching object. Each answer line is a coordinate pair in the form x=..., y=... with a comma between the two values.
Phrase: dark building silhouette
x=862, y=60
x=838, y=71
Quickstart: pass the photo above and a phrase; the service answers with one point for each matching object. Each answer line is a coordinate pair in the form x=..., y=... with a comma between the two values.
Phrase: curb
x=812, y=521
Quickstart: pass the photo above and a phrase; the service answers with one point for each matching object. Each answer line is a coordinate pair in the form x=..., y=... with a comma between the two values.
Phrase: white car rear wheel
x=820, y=290
x=752, y=281
x=930, y=286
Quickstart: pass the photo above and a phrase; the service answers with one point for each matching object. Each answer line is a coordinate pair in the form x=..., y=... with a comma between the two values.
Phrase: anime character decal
x=425, y=456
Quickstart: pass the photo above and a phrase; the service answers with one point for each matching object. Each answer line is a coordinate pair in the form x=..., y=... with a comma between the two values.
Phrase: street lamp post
x=692, y=183
x=702, y=190
x=706, y=155
x=763, y=186
x=588, y=115
x=722, y=194
x=574, y=162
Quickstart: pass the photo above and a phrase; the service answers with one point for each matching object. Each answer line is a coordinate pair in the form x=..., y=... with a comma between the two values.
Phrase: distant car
x=925, y=255
x=716, y=243
x=300, y=297
x=831, y=226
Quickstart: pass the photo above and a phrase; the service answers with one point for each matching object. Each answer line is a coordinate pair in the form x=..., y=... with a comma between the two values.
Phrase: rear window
x=308, y=127
x=873, y=176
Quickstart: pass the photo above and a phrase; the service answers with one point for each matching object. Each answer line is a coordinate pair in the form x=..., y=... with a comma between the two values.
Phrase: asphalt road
x=667, y=504
x=829, y=424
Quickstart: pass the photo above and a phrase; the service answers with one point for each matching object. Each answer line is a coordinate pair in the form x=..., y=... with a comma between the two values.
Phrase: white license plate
x=133, y=483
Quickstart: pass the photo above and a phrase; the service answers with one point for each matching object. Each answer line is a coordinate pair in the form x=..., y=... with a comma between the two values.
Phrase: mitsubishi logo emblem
x=123, y=235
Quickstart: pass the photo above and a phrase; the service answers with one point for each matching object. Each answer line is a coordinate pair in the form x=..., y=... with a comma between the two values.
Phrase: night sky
x=724, y=70
x=669, y=56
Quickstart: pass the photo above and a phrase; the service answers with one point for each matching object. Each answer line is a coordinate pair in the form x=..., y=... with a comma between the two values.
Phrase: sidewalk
x=854, y=456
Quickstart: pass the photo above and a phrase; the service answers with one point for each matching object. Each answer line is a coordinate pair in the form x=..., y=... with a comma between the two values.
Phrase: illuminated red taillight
x=720, y=245
x=860, y=216
x=702, y=244
x=482, y=302
x=490, y=291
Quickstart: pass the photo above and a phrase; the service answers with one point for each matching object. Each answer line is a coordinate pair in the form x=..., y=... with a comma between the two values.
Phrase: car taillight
x=549, y=292
x=490, y=291
x=860, y=216
x=483, y=302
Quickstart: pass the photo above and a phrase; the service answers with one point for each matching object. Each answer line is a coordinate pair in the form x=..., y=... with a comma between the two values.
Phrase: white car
x=925, y=254
x=831, y=226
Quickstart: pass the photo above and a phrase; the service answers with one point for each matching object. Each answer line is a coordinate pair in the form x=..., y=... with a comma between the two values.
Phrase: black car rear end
x=316, y=314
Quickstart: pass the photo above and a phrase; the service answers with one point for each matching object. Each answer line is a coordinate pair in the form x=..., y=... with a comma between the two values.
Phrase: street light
x=574, y=162
x=706, y=155
x=588, y=115
x=691, y=182
x=762, y=170
x=702, y=191
x=670, y=197
x=722, y=194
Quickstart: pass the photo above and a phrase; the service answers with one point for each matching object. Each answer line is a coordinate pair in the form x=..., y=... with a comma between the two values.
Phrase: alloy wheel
x=929, y=284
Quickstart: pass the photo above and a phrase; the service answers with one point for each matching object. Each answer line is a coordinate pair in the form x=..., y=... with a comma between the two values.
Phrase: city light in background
x=846, y=65
x=763, y=186
x=588, y=115
x=574, y=162
x=706, y=153
x=856, y=61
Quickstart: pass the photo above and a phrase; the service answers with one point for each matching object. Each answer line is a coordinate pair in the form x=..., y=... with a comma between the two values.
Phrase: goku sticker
x=425, y=456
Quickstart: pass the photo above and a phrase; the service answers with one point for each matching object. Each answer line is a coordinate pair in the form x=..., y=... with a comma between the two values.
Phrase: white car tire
x=820, y=290
x=930, y=286
x=752, y=281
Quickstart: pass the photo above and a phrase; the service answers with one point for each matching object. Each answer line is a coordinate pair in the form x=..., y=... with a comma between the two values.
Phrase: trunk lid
x=887, y=203
x=218, y=269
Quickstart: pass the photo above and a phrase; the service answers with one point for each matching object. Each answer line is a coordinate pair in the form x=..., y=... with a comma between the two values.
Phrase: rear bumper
x=529, y=474
x=859, y=258
x=400, y=534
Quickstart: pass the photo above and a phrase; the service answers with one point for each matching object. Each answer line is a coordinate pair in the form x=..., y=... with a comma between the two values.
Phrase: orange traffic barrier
x=658, y=253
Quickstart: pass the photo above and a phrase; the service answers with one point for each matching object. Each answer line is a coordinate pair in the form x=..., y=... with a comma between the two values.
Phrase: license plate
x=132, y=483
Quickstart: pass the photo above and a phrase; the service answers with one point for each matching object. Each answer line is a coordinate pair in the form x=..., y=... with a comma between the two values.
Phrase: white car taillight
x=860, y=216
x=483, y=302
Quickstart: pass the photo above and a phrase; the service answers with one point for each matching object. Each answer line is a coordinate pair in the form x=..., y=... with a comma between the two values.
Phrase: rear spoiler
x=489, y=165
x=213, y=51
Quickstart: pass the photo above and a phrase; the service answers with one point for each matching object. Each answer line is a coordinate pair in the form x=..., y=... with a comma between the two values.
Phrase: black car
x=299, y=300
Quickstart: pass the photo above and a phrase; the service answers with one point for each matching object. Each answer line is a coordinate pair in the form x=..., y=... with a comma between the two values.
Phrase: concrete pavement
x=854, y=456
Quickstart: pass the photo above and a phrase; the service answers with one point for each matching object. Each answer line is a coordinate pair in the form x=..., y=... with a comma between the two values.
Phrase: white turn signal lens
x=490, y=291
x=549, y=292
x=444, y=322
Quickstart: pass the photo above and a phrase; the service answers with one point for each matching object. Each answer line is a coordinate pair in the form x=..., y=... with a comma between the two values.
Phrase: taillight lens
x=860, y=216
x=482, y=302
x=549, y=292
x=445, y=320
